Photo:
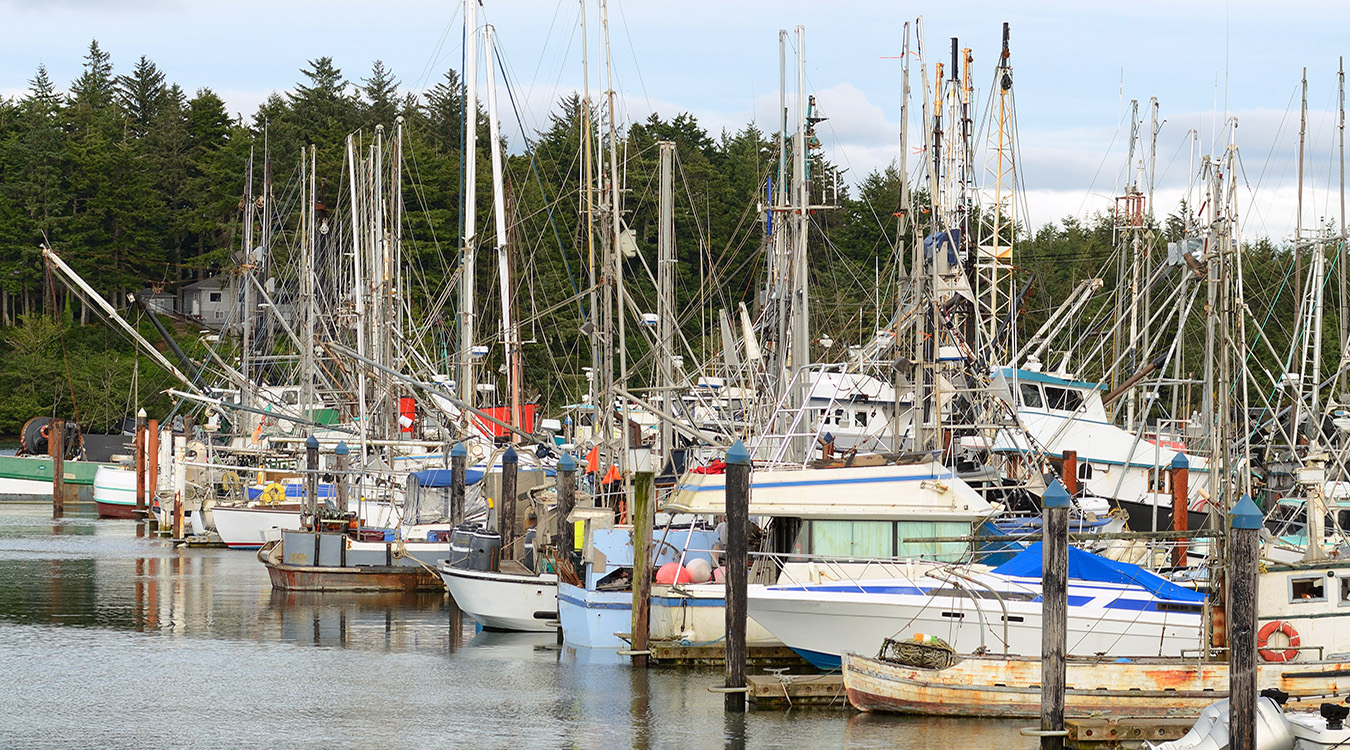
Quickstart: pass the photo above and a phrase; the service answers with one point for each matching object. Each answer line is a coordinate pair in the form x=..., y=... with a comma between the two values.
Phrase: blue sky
x=1077, y=66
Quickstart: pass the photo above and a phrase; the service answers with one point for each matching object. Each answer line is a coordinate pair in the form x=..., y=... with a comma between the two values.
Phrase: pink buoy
x=720, y=575
x=672, y=572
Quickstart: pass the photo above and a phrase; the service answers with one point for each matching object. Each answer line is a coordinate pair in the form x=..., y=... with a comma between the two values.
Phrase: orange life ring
x=1262, y=637
x=45, y=431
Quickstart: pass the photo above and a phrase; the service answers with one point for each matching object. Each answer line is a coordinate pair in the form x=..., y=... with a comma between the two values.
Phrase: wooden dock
x=785, y=691
x=1123, y=733
x=677, y=654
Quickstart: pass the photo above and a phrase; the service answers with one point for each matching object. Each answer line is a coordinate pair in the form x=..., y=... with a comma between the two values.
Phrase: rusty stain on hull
x=1010, y=688
x=361, y=578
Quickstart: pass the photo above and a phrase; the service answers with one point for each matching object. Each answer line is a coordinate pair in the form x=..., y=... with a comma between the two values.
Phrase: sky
x=1076, y=67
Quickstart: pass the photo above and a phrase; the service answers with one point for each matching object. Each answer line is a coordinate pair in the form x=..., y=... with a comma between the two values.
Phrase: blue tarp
x=1085, y=566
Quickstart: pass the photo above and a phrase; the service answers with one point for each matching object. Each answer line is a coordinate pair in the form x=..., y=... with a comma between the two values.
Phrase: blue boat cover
x=1085, y=566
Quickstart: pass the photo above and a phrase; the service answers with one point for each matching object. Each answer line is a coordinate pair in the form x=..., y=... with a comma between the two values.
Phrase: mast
x=509, y=338
x=358, y=288
x=665, y=277
x=781, y=264
x=801, y=330
x=588, y=202
x=923, y=341
x=466, y=386
x=902, y=214
x=307, y=280
x=1295, y=414
x=616, y=247
x=246, y=315
x=1340, y=245
x=994, y=259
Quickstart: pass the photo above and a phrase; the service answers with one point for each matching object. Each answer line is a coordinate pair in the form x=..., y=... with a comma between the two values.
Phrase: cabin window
x=851, y=538
x=1063, y=399
x=1157, y=479
x=1307, y=589
x=839, y=417
x=214, y=296
x=1345, y=590
x=1031, y=395
x=859, y=419
x=1085, y=471
x=290, y=397
x=943, y=551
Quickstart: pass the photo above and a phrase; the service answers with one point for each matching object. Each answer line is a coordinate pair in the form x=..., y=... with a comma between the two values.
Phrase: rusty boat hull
x=1009, y=687
x=402, y=578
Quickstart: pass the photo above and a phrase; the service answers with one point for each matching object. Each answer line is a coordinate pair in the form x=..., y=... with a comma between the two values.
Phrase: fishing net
x=927, y=652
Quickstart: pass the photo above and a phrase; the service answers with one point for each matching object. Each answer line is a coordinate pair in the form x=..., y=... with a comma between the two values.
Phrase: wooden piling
x=1070, y=472
x=151, y=460
x=138, y=448
x=1244, y=541
x=342, y=461
x=179, y=484
x=1180, y=491
x=643, y=514
x=56, y=448
x=459, y=466
x=737, y=568
x=567, y=500
x=1054, y=613
x=312, y=477
x=506, y=504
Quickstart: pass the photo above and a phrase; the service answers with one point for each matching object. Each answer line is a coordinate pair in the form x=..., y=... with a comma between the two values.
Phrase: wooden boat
x=396, y=571
x=1009, y=687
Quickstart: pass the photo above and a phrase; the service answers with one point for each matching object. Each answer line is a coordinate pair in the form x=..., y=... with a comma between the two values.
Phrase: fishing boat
x=1115, y=609
x=1102, y=687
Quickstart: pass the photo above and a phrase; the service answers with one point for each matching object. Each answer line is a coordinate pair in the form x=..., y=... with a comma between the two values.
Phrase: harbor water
x=113, y=638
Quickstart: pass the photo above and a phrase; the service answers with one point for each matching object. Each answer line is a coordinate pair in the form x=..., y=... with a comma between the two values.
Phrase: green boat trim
x=39, y=469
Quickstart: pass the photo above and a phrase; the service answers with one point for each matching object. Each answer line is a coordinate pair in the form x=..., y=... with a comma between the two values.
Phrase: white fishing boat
x=1115, y=609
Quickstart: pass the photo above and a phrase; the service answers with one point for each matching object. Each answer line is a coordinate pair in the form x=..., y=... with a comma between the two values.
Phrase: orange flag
x=593, y=460
x=612, y=475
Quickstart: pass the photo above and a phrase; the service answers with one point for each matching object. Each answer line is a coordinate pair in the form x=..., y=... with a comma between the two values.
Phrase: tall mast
x=801, y=312
x=1340, y=244
x=509, y=340
x=246, y=321
x=588, y=203
x=922, y=270
x=778, y=268
x=1295, y=414
x=616, y=242
x=358, y=289
x=902, y=215
x=466, y=385
x=307, y=279
x=994, y=264
x=665, y=277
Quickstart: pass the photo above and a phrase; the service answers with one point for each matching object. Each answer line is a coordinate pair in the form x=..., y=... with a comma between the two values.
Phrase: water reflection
x=410, y=668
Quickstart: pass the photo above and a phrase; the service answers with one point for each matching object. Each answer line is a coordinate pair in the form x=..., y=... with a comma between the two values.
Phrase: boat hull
x=246, y=528
x=504, y=601
x=114, y=491
x=593, y=619
x=339, y=578
x=1010, y=688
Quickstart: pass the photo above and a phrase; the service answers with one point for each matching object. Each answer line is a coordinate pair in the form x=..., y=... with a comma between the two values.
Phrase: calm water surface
x=112, y=639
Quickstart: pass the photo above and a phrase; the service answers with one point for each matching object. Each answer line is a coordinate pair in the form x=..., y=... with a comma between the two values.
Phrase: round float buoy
x=700, y=570
x=672, y=572
x=1263, y=638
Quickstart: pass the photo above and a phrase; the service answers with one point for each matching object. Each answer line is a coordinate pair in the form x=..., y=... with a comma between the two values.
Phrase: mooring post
x=56, y=448
x=179, y=485
x=506, y=504
x=138, y=448
x=643, y=514
x=151, y=462
x=1181, y=470
x=342, y=462
x=1245, y=522
x=459, y=467
x=737, y=568
x=567, y=500
x=312, y=477
x=1054, y=613
x=1070, y=472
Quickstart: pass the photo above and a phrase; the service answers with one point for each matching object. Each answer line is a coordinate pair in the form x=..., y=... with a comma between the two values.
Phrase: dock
x=1124, y=733
x=785, y=691
x=678, y=654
